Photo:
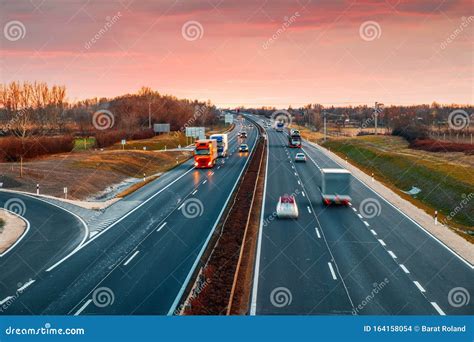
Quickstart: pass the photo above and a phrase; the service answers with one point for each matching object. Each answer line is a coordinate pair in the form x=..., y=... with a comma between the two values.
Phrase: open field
x=445, y=179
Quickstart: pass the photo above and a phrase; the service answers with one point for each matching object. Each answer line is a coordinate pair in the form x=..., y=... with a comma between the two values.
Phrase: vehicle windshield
x=201, y=152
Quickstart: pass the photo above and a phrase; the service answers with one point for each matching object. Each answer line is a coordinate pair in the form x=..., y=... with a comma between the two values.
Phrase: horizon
x=251, y=54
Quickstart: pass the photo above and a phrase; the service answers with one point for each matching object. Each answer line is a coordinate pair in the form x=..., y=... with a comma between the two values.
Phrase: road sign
x=196, y=132
x=161, y=128
x=229, y=118
x=123, y=142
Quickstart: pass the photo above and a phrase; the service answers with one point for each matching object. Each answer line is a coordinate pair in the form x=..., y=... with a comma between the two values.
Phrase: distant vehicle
x=286, y=207
x=243, y=148
x=205, y=153
x=279, y=126
x=222, y=144
x=294, y=139
x=300, y=157
x=243, y=134
x=336, y=186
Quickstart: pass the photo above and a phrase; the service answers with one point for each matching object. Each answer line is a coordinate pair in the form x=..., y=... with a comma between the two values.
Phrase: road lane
x=428, y=261
x=164, y=259
x=53, y=233
x=293, y=259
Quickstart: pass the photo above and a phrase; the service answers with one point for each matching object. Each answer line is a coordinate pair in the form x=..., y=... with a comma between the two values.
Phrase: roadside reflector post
x=65, y=192
x=346, y=159
x=144, y=177
x=373, y=179
x=436, y=217
x=165, y=147
x=144, y=148
x=37, y=189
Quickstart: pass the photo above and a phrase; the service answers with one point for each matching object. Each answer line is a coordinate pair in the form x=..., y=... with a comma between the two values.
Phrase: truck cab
x=205, y=153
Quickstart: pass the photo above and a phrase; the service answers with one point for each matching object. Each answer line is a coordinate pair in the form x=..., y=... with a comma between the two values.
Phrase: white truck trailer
x=222, y=143
x=336, y=186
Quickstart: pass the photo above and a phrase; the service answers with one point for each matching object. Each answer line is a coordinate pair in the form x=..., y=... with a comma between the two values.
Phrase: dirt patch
x=11, y=229
x=86, y=174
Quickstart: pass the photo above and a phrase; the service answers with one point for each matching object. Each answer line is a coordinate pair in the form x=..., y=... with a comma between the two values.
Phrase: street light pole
x=377, y=110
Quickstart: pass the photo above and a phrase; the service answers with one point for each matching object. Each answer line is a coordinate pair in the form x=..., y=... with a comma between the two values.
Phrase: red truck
x=205, y=153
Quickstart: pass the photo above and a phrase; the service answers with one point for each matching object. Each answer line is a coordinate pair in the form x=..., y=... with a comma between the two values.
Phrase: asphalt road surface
x=347, y=260
x=52, y=234
x=142, y=264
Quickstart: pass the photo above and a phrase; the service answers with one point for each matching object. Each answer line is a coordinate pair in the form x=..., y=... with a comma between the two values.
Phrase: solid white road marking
x=419, y=286
x=192, y=193
x=392, y=254
x=3, y=301
x=404, y=268
x=317, y=233
x=130, y=259
x=373, y=232
x=161, y=227
x=366, y=223
x=332, y=271
x=309, y=209
x=436, y=306
x=86, y=304
x=382, y=242
x=28, y=283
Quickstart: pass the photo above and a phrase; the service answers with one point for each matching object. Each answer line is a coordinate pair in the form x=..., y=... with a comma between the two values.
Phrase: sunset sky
x=248, y=52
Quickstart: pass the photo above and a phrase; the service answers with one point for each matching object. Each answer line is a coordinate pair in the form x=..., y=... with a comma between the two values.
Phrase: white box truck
x=222, y=143
x=336, y=186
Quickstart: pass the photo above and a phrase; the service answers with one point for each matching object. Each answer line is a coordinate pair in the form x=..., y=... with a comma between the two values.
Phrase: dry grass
x=133, y=163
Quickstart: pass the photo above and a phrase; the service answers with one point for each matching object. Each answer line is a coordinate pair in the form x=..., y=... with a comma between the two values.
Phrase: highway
x=51, y=234
x=145, y=260
x=333, y=260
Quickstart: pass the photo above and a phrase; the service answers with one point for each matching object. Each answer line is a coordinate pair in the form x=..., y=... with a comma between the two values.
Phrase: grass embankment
x=133, y=163
x=445, y=179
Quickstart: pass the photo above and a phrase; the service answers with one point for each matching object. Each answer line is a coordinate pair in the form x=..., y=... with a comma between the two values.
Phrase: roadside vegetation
x=445, y=179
